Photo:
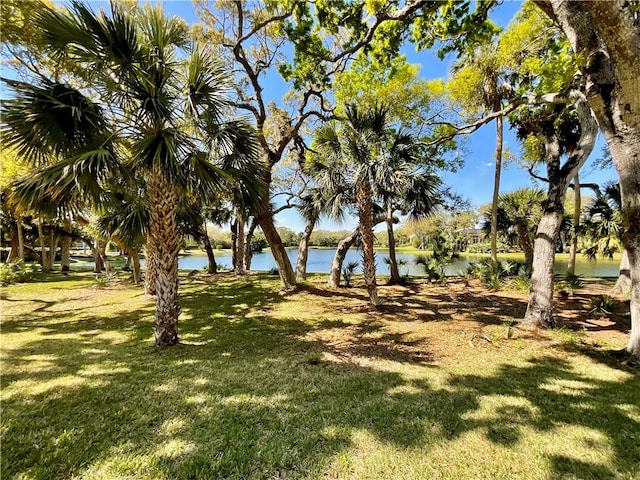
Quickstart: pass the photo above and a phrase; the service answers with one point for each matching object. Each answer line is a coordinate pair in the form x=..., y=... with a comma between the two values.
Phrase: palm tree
x=522, y=208
x=350, y=162
x=154, y=97
x=407, y=186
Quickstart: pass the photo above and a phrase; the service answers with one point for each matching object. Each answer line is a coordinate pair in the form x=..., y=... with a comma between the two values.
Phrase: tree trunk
x=53, y=247
x=13, y=253
x=496, y=188
x=20, y=238
x=394, y=274
x=166, y=238
x=135, y=258
x=213, y=266
x=65, y=262
x=365, y=216
x=248, y=254
x=43, y=247
x=338, y=259
x=98, y=264
x=577, y=206
x=240, y=247
x=303, y=250
x=525, y=243
x=234, y=243
x=151, y=272
x=605, y=36
x=102, y=252
x=285, y=270
x=623, y=284
x=540, y=307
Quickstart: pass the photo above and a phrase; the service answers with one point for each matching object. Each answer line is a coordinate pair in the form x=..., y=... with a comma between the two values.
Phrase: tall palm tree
x=156, y=89
x=352, y=160
x=406, y=186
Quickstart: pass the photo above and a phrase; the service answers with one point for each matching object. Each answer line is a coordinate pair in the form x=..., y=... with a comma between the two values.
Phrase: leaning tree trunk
x=240, y=247
x=213, y=266
x=365, y=216
x=496, y=188
x=166, y=238
x=248, y=254
x=577, y=206
x=65, y=262
x=623, y=283
x=540, y=307
x=151, y=271
x=394, y=274
x=303, y=250
x=285, y=270
x=341, y=252
x=43, y=246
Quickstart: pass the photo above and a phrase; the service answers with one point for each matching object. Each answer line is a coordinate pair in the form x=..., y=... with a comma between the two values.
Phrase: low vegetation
x=436, y=383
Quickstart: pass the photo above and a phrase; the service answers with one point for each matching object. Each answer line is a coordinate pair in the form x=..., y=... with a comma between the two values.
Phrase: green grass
x=305, y=385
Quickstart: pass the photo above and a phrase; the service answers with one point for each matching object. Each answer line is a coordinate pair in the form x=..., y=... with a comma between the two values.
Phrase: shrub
x=493, y=277
x=570, y=282
x=602, y=305
x=17, y=271
x=485, y=247
x=347, y=272
x=274, y=271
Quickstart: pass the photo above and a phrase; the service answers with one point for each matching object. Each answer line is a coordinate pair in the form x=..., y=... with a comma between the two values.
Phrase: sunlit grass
x=313, y=384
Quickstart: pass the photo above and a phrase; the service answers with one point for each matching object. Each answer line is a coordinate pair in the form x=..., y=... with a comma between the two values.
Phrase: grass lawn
x=313, y=384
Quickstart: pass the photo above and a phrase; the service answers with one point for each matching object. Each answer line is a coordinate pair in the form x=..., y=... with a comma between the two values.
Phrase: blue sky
x=475, y=179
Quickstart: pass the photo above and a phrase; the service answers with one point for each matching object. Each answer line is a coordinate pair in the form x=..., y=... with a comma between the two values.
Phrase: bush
x=485, y=247
x=493, y=277
x=17, y=271
x=347, y=272
x=602, y=305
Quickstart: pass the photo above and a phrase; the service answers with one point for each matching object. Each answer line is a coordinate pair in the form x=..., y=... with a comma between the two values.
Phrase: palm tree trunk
x=394, y=277
x=496, y=190
x=135, y=258
x=285, y=270
x=303, y=250
x=102, y=252
x=525, y=243
x=234, y=243
x=98, y=264
x=151, y=271
x=365, y=216
x=43, y=247
x=166, y=238
x=338, y=259
x=65, y=262
x=240, y=247
x=53, y=247
x=13, y=253
x=248, y=254
x=623, y=283
x=213, y=266
x=577, y=206
x=20, y=238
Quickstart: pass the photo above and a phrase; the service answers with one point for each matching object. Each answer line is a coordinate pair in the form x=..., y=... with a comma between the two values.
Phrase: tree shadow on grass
x=246, y=403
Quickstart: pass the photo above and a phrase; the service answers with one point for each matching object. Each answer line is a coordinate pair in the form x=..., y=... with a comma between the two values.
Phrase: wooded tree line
x=157, y=129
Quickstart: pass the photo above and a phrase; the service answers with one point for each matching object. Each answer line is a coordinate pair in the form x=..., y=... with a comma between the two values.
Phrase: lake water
x=319, y=261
